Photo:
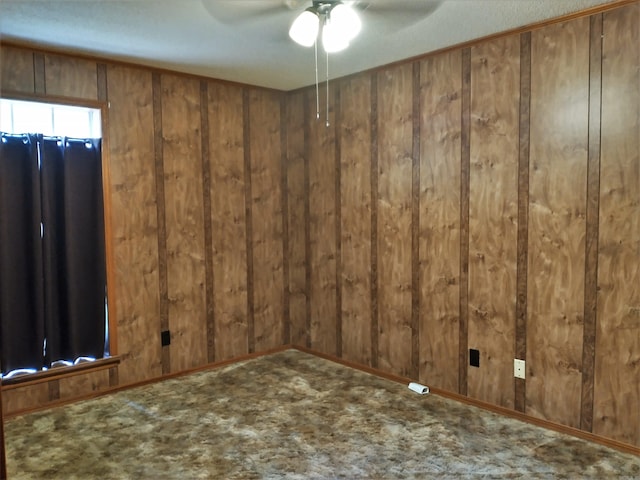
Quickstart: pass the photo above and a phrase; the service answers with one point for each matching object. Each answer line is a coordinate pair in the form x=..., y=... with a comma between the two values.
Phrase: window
x=20, y=116
x=53, y=305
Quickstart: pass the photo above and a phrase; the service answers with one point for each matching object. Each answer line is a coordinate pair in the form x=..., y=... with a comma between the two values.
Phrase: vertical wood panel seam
x=102, y=91
x=248, y=198
x=286, y=314
x=113, y=377
x=101, y=81
x=307, y=218
x=54, y=390
x=374, y=220
x=39, y=75
x=161, y=218
x=415, y=225
x=338, y=220
x=523, y=216
x=592, y=223
x=208, y=227
x=464, y=220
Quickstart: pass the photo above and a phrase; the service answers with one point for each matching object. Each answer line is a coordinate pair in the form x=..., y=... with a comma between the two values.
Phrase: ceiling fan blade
x=235, y=12
x=393, y=15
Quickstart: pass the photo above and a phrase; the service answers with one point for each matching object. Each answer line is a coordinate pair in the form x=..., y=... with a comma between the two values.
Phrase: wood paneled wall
x=475, y=198
x=197, y=211
x=485, y=197
x=616, y=380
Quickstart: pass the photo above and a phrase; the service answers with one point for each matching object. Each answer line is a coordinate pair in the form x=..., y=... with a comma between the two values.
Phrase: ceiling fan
x=331, y=23
x=385, y=16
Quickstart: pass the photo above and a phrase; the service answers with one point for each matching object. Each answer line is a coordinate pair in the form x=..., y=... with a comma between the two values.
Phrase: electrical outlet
x=474, y=357
x=518, y=368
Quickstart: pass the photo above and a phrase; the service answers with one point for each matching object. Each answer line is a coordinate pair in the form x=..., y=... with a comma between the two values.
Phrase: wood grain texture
x=284, y=202
x=493, y=217
x=338, y=217
x=266, y=213
x=465, y=165
x=25, y=398
x=307, y=214
x=158, y=151
x=439, y=241
x=322, y=224
x=296, y=219
x=355, y=212
x=208, y=230
x=16, y=70
x=591, y=239
x=248, y=216
x=134, y=222
x=101, y=82
x=415, y=222
x=523, y=216
x=557, y=201
x=226, y=150
x=70, y=77
x=395, y=143
x=617, y=367
x=54, y=390
x=81, y=385
x=39, y=74
x=374, y=220
x=184, y=217
x=114, y=379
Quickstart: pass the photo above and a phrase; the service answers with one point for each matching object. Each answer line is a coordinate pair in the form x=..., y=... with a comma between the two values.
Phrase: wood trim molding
x=57, y=373
x=44, y=50
x=471, y=43
x=39, y=49
x=57, y=99
x=120, y=388
x=591, y=437
x=608, y=442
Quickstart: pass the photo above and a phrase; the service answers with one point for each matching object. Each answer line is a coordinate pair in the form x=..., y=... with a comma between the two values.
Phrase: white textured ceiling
x=223, y=39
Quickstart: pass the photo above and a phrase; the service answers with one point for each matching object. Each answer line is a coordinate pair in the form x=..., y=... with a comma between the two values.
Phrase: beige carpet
x=291, y=415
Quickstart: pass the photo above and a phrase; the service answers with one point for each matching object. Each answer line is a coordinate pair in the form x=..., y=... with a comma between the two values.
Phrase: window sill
x=59, y=372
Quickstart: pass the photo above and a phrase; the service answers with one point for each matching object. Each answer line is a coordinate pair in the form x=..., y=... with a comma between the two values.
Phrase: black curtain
x=21, y=281
x=70, y=260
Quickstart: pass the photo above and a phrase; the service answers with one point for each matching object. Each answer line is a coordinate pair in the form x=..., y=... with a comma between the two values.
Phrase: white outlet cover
x=518, y=368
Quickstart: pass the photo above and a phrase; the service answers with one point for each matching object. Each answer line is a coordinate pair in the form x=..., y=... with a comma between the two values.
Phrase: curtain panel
x=52, y=260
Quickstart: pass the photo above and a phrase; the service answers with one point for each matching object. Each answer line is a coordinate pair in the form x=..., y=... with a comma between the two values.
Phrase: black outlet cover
x=165, y=338
x=474, y=357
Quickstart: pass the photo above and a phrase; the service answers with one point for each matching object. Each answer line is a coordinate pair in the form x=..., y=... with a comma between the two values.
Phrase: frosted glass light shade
x=333, y=39
x=304, y=29
x=346, y=21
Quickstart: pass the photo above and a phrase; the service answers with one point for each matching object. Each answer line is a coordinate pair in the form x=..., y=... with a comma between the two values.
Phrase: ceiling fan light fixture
x=304, y=29
x=333, y=38
x=345, y=20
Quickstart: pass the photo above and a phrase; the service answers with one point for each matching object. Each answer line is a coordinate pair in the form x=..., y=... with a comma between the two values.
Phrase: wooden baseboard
x=621, y=446
x=120, y=388
x=539, y=422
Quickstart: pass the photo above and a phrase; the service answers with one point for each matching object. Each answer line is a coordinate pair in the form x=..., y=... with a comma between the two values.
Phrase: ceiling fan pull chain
x=327, y=111
x=317, y=88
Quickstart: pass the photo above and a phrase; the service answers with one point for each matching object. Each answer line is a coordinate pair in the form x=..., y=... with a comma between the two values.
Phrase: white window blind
x=49, y=119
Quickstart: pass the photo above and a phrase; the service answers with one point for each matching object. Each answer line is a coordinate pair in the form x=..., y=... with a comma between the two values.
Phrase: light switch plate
x=518, y=368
